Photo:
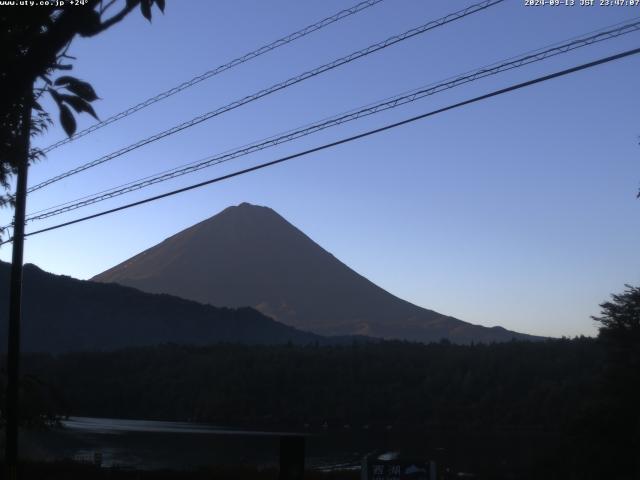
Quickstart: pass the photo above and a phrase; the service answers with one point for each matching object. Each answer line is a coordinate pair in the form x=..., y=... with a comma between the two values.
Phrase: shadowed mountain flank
x=62, y=314
x=249, y=255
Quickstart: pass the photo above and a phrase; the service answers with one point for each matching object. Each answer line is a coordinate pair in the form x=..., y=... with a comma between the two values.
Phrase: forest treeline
x=551, y=406
x=534, y=384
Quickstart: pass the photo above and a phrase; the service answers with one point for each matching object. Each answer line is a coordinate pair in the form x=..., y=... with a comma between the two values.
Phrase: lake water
x=144, y=444
x=150, y=445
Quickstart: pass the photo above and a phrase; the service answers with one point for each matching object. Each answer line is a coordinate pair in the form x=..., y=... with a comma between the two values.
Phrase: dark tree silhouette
x=35, y=41
x=510, y=401
x=620, y=336
x=620, y=325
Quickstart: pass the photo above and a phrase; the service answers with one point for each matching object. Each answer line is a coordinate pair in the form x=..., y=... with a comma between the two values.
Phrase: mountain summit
x=248, y=255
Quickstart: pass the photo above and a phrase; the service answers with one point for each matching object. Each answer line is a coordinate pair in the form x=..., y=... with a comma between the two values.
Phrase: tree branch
x=104, y=8
x=118, y=17
x=47, y=46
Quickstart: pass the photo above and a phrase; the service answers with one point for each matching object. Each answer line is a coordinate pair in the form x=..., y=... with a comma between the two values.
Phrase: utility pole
x=15, y=298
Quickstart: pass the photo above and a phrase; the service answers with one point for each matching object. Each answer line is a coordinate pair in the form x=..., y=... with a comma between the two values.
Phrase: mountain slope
x=62, y=314
x=250, y=256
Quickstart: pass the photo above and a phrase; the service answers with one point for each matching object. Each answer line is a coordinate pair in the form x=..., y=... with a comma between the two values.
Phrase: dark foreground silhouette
x=510, y=410
x=75, y=471
x=520, y=410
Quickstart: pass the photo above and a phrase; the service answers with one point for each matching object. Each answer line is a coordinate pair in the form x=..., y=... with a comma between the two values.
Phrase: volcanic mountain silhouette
x=249, y=255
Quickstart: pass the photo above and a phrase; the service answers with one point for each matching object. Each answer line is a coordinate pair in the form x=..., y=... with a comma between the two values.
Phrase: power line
x=390, y=103
x=211, y=73
x=494, y=93
x=279, y=86
x=594, y=36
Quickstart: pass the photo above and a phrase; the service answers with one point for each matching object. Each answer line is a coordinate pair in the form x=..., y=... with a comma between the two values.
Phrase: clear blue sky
x=519, y=211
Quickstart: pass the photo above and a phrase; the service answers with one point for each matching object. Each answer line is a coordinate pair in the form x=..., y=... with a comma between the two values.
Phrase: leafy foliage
x=40, y=402
x=35, y=41
x=617, y=418
x=620, y=320
x=83, y=93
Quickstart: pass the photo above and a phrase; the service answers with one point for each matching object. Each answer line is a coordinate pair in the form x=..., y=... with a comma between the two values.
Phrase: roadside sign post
x=374, y=468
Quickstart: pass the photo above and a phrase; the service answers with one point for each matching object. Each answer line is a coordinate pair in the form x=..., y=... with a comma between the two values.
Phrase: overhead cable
x=368, y=133
x=387, y=104
x=274, y=88
x=222, y=68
